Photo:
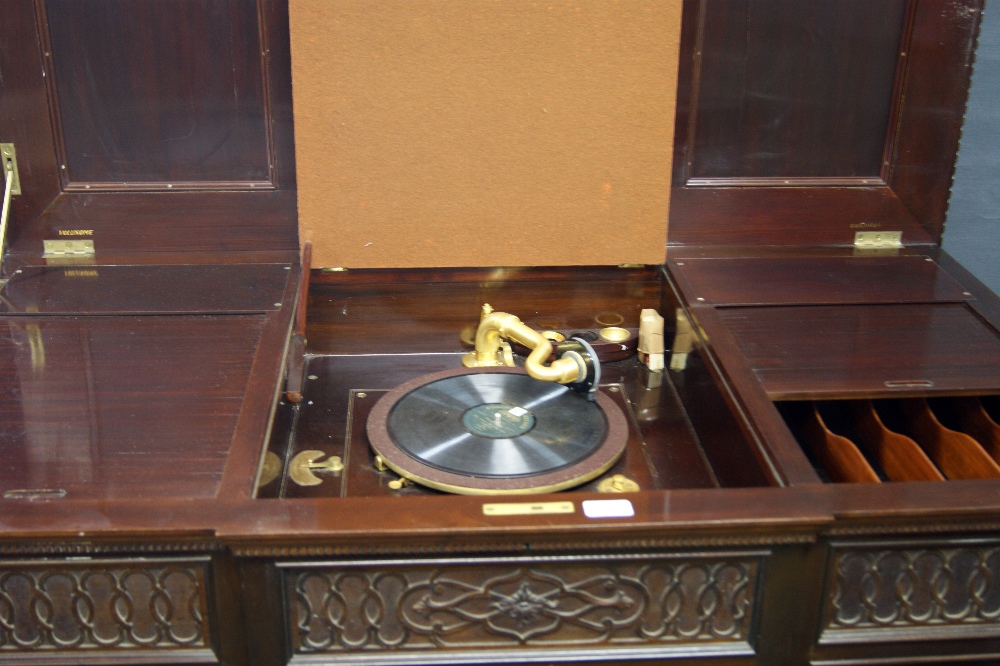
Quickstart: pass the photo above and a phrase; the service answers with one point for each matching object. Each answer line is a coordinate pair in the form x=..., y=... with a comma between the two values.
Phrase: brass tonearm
x=576, y=362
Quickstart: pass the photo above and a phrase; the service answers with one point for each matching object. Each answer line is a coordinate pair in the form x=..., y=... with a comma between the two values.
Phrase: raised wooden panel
x=639, y=601
x=793, y=88
x=150, y=610
x=152, y=94
x=946, y=590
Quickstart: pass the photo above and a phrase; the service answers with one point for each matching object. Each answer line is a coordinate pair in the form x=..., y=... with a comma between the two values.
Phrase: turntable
x=490, y=429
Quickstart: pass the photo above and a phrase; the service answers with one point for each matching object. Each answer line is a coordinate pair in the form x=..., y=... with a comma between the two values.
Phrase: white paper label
x=616, y=508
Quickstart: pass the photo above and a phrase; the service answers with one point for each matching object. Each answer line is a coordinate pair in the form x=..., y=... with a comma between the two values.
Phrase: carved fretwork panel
x=108, y=605
x=913, y=592
x=637, y=602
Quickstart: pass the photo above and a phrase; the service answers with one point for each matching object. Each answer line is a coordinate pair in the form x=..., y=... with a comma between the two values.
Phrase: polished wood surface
x=23, y=88
x=751, y=124
x=114, y=63
x=135, y=418
x=380, y=312
x=91, y=288
x=201, y=102
x=820, y=280
x=866, y=350
x=822, y=113
x=218, y=222
x=97, y=400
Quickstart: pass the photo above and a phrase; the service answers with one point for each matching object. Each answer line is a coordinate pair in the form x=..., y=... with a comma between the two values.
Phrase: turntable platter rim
x=400, y=462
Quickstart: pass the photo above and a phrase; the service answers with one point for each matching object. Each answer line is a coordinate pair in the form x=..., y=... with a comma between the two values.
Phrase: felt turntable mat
x=467, y=133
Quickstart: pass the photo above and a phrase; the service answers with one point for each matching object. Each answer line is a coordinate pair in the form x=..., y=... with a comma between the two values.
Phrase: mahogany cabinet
x=819, y=478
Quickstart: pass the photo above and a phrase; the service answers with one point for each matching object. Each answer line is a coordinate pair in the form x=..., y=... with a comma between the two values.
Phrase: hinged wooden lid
x=459, y=133
x=802, y=122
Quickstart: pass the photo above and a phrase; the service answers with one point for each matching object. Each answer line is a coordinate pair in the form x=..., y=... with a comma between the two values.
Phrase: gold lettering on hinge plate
x=527, y=508
x=76, y=232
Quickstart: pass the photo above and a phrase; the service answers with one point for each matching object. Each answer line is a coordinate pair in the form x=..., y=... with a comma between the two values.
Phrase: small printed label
x=617, y=508
x=76, y=232
x=498, y=421
x=527, y=508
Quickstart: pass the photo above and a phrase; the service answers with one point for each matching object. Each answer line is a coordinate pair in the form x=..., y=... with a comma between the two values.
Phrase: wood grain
x=899, y=456
x=151, y=93
x=108, y=407
x=821, y=280
x=866, y=350
x=956, y=454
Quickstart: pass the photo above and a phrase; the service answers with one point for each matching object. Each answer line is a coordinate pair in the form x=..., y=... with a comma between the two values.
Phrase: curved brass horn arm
x=495, y=326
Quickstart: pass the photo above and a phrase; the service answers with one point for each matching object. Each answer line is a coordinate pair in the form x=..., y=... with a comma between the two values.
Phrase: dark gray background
x=972, y=234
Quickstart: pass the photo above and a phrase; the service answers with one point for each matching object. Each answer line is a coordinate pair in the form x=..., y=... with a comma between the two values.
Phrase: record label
x=498, y=420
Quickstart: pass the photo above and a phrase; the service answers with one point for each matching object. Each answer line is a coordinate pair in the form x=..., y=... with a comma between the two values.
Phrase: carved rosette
x=913, y=592
x=531, y=604
x=102, y=605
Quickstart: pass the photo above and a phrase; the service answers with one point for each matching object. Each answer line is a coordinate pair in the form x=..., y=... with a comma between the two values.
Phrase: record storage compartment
x=885, y=370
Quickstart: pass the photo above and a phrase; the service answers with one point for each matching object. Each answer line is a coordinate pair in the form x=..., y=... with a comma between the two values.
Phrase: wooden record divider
x=956, y=454
x=976, y=422
x=838, y=455
x=900, y=457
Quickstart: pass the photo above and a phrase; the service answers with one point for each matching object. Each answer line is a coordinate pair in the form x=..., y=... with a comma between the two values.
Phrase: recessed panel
x=159, y=92
x=794, y=88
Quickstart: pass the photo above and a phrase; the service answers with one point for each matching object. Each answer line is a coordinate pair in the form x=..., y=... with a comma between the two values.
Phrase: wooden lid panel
x=447, y=133
x=867, y=350
x=801, y=121
x=817, y=280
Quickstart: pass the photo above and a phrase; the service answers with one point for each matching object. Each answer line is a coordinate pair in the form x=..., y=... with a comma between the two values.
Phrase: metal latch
x=878, y=240
x=67, y=248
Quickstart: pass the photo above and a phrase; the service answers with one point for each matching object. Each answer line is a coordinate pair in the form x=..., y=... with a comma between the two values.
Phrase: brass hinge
x=9, y=157
x=54, y=249
x=878, y=240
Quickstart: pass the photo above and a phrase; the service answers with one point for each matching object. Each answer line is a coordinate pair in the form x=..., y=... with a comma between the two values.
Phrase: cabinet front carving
x=101, y=605
x=511, y=603
x=950, y=591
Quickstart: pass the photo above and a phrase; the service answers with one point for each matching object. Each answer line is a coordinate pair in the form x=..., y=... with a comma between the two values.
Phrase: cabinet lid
x=448, y=133
x=801, y=122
